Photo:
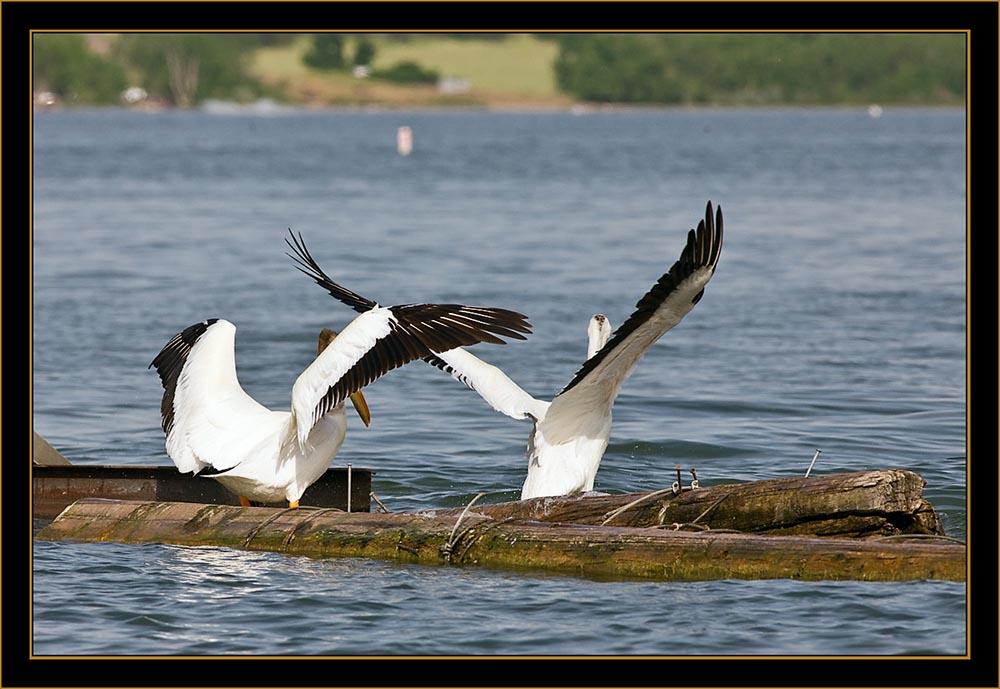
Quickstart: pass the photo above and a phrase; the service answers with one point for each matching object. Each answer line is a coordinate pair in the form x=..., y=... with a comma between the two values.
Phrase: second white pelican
x=214, y=428
x=571, y=432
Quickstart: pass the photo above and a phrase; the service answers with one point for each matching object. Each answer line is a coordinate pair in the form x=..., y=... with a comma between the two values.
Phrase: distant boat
x=404, y=141
x=875, y=111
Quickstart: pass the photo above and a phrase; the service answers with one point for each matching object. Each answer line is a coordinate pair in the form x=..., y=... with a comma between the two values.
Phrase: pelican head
x=357, y=399
x=598, y=332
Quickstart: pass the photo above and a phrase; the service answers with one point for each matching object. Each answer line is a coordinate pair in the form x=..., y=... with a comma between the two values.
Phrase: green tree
x=327, y=52
x=728, y=68
x=273, y=39
x=185, y=68
x=364, y=50
x=407, y=72
x=62, y=64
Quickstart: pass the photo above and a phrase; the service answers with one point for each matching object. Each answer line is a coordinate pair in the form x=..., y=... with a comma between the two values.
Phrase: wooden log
x=586, y=550
x=861, y=504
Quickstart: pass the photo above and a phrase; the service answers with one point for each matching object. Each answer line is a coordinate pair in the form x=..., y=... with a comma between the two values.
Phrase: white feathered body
x=255, y=450
x=564, y=460
x=571, y=433
x=273, y=472
x=214, y=428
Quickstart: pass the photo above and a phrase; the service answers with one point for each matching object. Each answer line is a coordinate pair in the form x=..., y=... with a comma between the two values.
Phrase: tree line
x=180, y=69
x=675, y=68
x=766, y=69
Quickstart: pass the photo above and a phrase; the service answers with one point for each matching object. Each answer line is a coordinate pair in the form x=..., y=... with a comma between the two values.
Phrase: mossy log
x=859, y=504
x=613, y=552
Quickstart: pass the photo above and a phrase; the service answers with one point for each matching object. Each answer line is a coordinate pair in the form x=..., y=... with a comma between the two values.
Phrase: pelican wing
x=384, y=338
x=307, y=264
x=492, y=384
x=475, y=321
x=599, y=380
x=439, y=324
x=449, y=321
x=205, y=413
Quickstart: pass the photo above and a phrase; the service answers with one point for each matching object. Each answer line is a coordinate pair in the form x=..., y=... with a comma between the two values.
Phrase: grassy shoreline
x=509, y=74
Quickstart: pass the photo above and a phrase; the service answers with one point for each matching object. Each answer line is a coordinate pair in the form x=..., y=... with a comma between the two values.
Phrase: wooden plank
x=856, y=504
x=586, y=550
x=56, y=487
x=44, y=454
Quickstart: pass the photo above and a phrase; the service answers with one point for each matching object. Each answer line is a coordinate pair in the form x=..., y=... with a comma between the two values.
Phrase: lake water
x=836, y=320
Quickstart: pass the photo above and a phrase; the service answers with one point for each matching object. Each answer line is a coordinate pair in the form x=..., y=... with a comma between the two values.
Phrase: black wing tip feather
x=306, y=264
x=181, y=343
x=170, y=362
x=468, y=324
x=440, y=327
x=702, y=250
x=713, y=228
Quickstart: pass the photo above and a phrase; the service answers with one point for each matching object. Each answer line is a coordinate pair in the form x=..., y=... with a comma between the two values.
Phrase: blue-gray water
x=836, y=320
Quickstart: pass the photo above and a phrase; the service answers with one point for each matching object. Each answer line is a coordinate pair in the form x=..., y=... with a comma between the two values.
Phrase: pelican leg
x=244, y=502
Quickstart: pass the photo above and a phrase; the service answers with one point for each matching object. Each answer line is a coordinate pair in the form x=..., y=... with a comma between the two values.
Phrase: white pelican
x=214, y=428
x=572, y=431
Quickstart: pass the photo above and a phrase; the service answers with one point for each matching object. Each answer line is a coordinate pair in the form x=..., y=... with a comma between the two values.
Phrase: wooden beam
x=56, y=487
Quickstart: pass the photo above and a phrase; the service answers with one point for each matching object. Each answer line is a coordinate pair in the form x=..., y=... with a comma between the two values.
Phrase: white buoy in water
x=875, y=111
x=404, y=141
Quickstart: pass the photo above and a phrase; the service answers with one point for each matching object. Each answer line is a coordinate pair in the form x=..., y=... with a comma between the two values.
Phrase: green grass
x=283, y=61
x=519, y=65
x=518, y=68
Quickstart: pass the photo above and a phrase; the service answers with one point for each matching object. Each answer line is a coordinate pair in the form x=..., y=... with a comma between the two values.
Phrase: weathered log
x=860, y=504
x=585, y=550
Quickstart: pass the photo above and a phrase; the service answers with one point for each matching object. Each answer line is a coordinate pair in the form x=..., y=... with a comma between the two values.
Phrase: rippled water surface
x=836, y=320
